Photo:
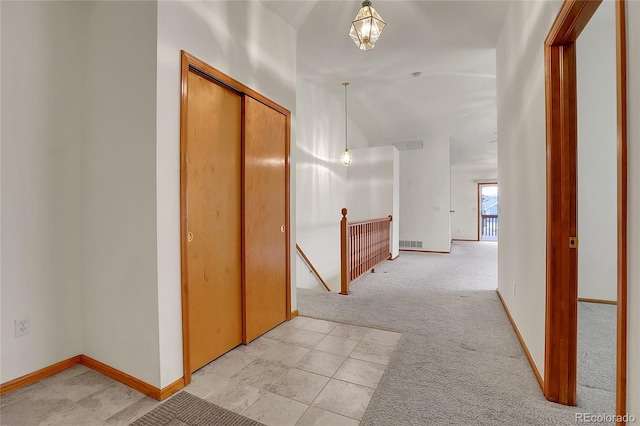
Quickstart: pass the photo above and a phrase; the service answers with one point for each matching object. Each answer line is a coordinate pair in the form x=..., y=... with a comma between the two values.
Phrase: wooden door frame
x=479, y=211
x=561, y=280
x=191, y=63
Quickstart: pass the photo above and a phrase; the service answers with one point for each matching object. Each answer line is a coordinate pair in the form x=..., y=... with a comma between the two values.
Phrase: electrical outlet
x=514, y=287
x=22, y=326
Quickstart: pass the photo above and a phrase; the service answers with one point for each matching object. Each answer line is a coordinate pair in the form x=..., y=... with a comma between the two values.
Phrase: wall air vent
x=410, y=244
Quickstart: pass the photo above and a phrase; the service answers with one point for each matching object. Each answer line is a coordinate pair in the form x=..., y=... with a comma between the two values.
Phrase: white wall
x=79, y=187
x=42, y=192
x=597, y=156
x=248, y=42
x=464, y=202
x=633, y=318
x=371, y=182
x=522, y=167
x=120, y=290
x=91, y=195
x=321, y=178
x=425, y=195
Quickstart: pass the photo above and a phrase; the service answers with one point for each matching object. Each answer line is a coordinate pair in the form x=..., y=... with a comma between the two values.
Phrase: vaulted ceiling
x=450, y=43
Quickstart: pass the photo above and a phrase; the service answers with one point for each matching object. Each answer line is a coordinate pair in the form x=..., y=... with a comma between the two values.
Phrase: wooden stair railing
x=363, y=245
x=310, y=265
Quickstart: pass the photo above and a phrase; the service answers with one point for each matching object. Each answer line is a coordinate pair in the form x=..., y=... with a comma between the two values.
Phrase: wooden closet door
x=213, y=213
x=265, y=218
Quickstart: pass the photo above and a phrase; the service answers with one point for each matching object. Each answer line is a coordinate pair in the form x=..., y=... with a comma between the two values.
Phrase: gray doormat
x=186, y=409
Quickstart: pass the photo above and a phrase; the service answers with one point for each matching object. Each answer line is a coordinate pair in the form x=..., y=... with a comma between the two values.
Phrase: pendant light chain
x=346, y=157
x=345, y=116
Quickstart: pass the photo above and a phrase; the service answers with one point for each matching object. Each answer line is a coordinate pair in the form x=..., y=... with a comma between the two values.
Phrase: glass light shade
x=366, y=27
x=346, y=158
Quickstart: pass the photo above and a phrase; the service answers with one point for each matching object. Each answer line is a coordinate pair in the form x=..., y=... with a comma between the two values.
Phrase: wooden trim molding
x=174, y=387
x=604, y=302
x=426, y=251
x=621, y=83
x=561, y=281
x=231, y=83
x=184, y=102
x=561, y=323
x=243, y=222
x=38, y=375
x=536, y=372
x=573, y=17
x=132, y=382
x=294, y=314
x=121, y=377
x=315, y=271
x=287, y=183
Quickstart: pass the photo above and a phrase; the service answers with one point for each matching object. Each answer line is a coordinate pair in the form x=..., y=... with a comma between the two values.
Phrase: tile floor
x=303, y=372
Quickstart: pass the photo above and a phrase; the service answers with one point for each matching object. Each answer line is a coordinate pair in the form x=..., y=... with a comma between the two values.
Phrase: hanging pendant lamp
x=366, y=27
x=346, y=158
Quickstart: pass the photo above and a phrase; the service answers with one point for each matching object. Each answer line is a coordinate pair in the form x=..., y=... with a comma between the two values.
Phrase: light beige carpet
x=459, y=361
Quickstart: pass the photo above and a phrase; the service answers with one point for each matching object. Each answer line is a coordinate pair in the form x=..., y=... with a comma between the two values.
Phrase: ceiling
x=451, y=43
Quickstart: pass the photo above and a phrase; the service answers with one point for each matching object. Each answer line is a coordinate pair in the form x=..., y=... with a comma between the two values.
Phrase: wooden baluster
x=354, y=262
x=377, y=241
x=354, y=245
x=355, y=248
x=374, y=243
x=383, y=240
x=356, y=253
x=366, y=245
x=360, y=247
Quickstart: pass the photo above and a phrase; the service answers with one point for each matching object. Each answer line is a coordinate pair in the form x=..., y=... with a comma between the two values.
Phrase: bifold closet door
x=265, y=217
x=213, y=212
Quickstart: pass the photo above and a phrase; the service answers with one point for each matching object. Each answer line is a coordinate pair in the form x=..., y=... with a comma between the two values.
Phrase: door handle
x=189, y=236
x=282, y=228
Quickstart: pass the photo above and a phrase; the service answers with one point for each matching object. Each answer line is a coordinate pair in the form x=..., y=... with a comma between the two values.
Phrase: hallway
x=459, y=360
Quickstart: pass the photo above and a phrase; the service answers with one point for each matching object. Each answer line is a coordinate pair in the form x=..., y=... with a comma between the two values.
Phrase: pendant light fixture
x=346, y=158
x=366, y=27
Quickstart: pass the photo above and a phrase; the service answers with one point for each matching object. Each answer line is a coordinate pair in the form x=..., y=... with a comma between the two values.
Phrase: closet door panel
x=265, y=235
x=213, y=213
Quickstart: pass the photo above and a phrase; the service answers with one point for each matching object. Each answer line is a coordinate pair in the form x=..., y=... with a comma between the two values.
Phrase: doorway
x=234, y=214
x=597, y=211
x=488, y=211
x=562, y=292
